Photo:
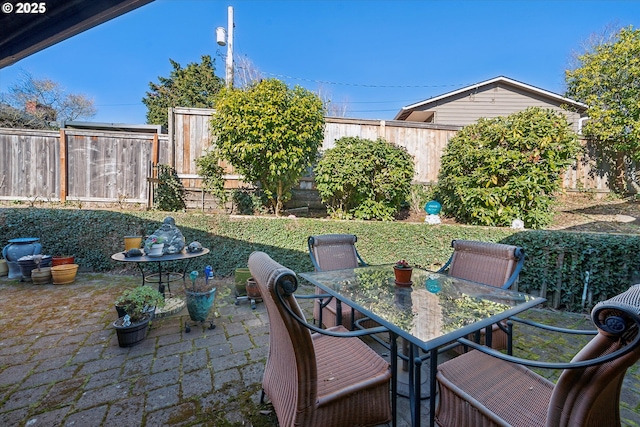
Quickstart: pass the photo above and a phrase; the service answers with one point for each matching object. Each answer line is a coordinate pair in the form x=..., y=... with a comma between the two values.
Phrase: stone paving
x=60, y=363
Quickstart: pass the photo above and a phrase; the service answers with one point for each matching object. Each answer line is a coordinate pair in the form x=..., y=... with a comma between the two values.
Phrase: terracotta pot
x=252, y=288
x=64, y=274
x=132, y=242
x=403, y=275
x=62, y=259
x=41, y=276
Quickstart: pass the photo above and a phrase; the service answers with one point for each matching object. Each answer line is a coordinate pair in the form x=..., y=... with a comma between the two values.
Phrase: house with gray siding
x=500, y=96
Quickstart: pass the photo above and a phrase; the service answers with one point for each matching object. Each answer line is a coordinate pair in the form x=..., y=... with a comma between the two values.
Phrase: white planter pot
x=156, y=250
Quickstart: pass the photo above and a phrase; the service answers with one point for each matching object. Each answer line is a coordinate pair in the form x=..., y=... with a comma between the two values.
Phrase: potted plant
x=138, y=304
x=200, y=297
x=403, y=271
x=154, y=246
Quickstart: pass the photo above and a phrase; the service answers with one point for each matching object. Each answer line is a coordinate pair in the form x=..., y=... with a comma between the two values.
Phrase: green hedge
x=564, y=262
x=94, y=235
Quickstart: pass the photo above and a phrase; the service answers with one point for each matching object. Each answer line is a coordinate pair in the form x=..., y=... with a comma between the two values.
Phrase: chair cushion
x=346, y=366
x=473, y=387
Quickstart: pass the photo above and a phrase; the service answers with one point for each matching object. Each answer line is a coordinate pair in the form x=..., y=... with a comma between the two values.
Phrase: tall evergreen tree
x=196, y=86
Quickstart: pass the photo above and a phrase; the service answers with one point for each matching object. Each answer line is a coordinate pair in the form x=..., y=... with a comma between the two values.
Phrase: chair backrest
x=334, y=252
x=290, y=376
x=490, y=263
x=591, y=396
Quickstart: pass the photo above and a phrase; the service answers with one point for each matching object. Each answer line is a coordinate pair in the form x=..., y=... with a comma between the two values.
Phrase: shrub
x=364, y=179
x=506, y=168
x=270, y=133
x=556, y=261
x=139, y=301
x=169, y=195
x=560, y=264
x=213, y=177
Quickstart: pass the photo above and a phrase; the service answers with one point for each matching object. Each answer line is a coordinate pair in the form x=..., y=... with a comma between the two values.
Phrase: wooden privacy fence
x=190, y=137
x=114, y=166
x=82, y=165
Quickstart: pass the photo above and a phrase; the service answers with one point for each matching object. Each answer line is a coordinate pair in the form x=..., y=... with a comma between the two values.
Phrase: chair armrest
x=314, y=296
x=552, y=365
x=303, y=322
x=553, y=328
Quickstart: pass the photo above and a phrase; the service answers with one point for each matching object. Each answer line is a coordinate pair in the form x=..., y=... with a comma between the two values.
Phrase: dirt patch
x=578, y=212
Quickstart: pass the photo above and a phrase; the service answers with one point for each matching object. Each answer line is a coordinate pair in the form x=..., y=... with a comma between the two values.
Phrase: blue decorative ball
x=433, y=207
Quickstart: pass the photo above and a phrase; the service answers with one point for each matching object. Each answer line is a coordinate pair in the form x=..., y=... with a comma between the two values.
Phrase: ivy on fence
x=576, y=270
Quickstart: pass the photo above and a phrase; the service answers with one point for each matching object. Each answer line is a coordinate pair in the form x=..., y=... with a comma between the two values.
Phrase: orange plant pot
x=61, y=260
x=403, y=275
x=64, y=274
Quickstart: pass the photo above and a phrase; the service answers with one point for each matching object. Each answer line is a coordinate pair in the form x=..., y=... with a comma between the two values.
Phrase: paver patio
x=60, y=363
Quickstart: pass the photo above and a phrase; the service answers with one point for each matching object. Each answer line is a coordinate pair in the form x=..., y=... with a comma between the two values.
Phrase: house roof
x=23, y=34
x=406, y=111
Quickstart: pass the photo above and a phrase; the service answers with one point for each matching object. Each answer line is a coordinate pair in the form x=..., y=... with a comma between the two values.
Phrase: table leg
x=141, y=272
x=160, y=284
x=415, y=388
x=393, y=338
x=338, y=312
x=433, y=370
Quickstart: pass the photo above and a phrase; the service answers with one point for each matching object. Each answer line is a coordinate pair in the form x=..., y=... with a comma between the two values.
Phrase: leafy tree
x=269, y=133
x=607, y=79
x=364, y=179
x=506, y=168
x=194, y=86
x=49, y=100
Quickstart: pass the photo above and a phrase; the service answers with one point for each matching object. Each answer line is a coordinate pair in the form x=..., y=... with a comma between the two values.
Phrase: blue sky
x=374, y=56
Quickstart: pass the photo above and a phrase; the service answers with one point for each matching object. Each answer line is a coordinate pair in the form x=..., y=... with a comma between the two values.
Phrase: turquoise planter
x=199, y=304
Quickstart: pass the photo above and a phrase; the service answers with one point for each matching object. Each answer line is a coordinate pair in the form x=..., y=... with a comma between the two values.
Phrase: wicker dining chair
x=327, y=379
x=334, y=252
x=489, y=263
x=487, y=388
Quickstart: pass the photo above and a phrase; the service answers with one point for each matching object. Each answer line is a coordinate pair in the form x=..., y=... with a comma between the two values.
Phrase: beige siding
x=492, y=100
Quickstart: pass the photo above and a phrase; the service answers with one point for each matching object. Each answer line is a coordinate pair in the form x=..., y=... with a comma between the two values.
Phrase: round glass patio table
x=168, y=268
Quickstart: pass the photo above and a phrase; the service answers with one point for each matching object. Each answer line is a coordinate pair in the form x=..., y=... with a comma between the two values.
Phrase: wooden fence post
x=63, y=166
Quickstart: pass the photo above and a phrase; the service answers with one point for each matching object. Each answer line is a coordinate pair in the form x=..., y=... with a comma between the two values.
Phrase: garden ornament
x=194, y=247
x=168, y=234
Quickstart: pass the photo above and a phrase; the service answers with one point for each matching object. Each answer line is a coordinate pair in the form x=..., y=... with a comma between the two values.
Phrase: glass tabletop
x=435, y=309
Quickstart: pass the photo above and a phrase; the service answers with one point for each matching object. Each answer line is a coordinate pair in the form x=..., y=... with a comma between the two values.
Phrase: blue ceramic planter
x=16, y=249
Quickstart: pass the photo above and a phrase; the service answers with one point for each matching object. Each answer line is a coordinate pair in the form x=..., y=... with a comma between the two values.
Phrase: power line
x=362, y=85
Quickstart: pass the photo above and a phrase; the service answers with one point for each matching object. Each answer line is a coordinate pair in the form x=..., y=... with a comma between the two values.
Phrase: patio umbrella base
x=403, y=381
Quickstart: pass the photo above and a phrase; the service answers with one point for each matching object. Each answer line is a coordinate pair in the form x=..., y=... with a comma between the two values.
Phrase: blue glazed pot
x=16, y=249
x=199, y=304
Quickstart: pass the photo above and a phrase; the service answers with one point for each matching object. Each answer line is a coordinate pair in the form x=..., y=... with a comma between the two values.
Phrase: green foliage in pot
x=137, y=302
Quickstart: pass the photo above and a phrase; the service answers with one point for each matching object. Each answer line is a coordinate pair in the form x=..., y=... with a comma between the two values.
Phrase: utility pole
x=225, y=37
